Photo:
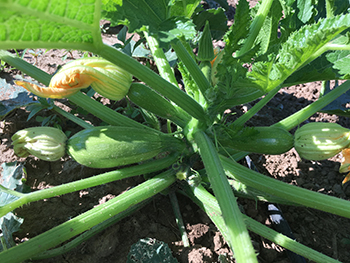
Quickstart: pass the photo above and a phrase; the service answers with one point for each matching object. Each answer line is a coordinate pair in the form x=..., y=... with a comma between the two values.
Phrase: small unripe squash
x=111, y=146
x=263, y=140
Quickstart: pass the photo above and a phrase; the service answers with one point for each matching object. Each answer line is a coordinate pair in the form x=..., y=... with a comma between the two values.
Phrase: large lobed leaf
x=301, y=48
x=166, y=19
x=50, y=24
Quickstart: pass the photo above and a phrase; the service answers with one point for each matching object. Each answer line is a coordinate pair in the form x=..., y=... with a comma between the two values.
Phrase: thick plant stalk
x=191, y=65
x=94, y=107
x=104, y=113
x=299, y=195
x=210, y=205
x=295, y=119
x=237, y=234
x=302, y=115
x=258, y=106
x=85, y=221
x=100, y=179
x=162, y=63
x=89, y=233
x=153, y=80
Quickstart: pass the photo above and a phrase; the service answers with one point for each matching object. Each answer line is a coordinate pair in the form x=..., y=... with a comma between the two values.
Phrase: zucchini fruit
x=111, y=146
x=263, y=140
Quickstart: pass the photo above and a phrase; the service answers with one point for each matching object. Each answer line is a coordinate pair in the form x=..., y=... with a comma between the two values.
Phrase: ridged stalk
x=85, y=221
x=104, y=178
x=296, y=194
x=210, y=205
x=237, y=233
x=154, y=81
x=191, y=65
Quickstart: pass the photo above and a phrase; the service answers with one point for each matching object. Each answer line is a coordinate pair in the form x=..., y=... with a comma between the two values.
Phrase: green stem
x=210, y=205
x=300, y=116
x=192, y=66
x=255, y=27
x=163, y=66
x=179, y=221
x=165, y=71
x=258, y=106
x=286, y=191
x=104, y=113
x=238, y=236
x=305, y=113
x=104, y=178
x=73, y=118
x=85, y=221
x=153, y=80
x=88, y=234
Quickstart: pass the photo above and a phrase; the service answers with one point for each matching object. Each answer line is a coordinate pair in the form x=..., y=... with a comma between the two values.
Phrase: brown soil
x=321, y=231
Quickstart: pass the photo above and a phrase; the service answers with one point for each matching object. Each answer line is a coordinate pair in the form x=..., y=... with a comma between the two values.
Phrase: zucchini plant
x=283, y=42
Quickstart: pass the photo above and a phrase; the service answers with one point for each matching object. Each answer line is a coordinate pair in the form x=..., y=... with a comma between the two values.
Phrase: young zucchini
x=111, y=146
x=150, y=100
x=264, y=140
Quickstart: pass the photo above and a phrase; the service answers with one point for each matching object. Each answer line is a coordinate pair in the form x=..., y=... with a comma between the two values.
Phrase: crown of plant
x=103, y=76
x=320, y=141
x=46, y=143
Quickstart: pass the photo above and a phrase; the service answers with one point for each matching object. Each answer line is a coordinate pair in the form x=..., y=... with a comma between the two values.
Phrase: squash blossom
x=345, y=164
x=46, y=143
x=320, y=141
x=103, y=76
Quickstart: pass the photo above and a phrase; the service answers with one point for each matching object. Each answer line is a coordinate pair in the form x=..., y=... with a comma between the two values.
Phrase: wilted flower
x=46, y=143
x=104, y=77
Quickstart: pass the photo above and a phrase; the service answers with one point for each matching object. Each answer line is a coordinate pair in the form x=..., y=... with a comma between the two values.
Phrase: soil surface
x=321, y=231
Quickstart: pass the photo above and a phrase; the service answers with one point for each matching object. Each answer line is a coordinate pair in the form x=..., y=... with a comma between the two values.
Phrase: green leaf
x=154, y=17
x=184, y=8
x=305, y=8
x=150, y=250
x=137, y=14
x=302, y=47
x=217, y=20
x=9, y=224
x=331, y=66
x=50, y=24
x=268, y=34
x=12, y=175
x=12, y=97
x=239, y=29
x=175, y=27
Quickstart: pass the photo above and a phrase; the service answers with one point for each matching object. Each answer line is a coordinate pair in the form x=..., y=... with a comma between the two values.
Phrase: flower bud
x=320, y=141
x=104, y=77
x=46, y=143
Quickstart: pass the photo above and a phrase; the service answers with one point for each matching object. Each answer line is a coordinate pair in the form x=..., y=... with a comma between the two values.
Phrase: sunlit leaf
x=53, y=23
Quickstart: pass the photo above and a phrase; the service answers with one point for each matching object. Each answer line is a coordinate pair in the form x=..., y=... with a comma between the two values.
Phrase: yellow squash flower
x=46, y=143
x=104, y=77
x=345, y=164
